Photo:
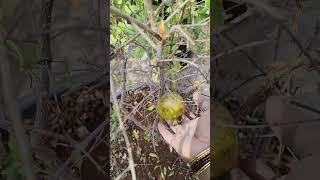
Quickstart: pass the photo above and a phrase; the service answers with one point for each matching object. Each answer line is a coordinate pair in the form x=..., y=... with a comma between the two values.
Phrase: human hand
x=193, y=135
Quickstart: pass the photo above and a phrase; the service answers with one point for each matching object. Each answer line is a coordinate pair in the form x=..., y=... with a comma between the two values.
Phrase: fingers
x=177, y=129
x=165, y=133
x=191, y=115
x=185, y=119
x=190, y=125
x=201, y=101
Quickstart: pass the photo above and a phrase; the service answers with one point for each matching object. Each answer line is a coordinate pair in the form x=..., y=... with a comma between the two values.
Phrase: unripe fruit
x=223, y=149
x=170, y=106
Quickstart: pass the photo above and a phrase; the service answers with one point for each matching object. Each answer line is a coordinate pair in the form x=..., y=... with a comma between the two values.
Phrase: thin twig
x=161, y=67
x=279, y=31
x=123, y=172
x=206, y=23
x=148, y=6
x=230, y=25
x=82, y=144
x=241, y=47
x=272, y=12
x=178, y=28
x=251, y=60
x=294, y=123
x=279, y=19
x=128, y=42
x=296, y=41
x=38, y=142
x=157, y=12
x=124, y=132
x=311, y=109
x=240, y=85
x=124, y=60
x=181, y=60
x=145, y=36
x=134, y=21
x=62, y=30
x=176, y=11
x=82, y=149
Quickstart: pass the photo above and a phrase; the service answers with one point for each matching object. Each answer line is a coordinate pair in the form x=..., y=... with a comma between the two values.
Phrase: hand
x=193, y=136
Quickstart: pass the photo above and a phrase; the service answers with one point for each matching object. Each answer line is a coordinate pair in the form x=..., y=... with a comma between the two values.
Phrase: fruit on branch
x=170, y=106
x=223, y=149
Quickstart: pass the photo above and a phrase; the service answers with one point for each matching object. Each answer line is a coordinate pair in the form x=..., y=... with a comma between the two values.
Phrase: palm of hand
x=193, y=136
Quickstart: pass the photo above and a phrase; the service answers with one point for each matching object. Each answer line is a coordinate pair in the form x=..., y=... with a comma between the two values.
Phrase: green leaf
x=67, y=69
x=113, y=39
x=276, y=75
x=114, y=116
x=76, y=158
x=121, y=25
x=31, y=57
x=11, y=165
x=25, y=63
x=176, y=64
x=9, y=7
x=127, y=9
x=218, y=13
x=138, y=52
x=151, y=107
x=151, y=55
x=208, y=3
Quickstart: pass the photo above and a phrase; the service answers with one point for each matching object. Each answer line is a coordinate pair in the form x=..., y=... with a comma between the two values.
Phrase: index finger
x=201, y=101
x=166, y=134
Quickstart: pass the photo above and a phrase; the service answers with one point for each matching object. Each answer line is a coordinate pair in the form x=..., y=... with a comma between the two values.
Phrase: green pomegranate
x=223, y=149
x=170, y=106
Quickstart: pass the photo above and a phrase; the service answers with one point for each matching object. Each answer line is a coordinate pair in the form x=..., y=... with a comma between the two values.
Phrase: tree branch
x=15, y=116
x=239, y=48
x=44, y=82
x=176, y=11
x=134, y=21
x=148, y=6
x=145, y=36
x=124, y=132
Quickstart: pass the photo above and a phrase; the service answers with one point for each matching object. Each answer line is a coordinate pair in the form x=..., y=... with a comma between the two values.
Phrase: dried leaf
x=153, y=155
x=136, y=133
x=161, y=29
x=162, y=175
x=171, y=174
x=151, y=107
